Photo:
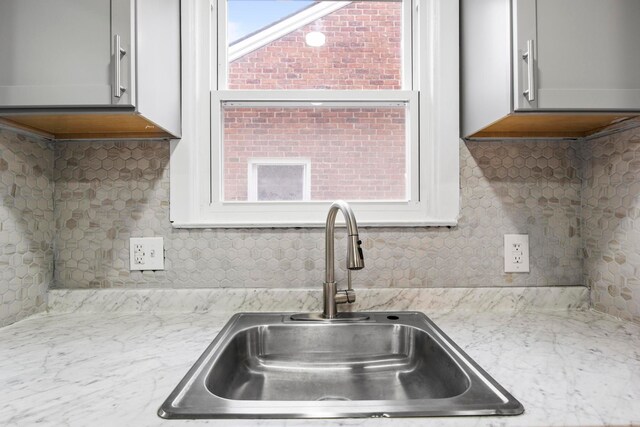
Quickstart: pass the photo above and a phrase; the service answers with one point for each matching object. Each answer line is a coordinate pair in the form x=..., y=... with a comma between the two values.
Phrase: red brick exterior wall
x=355, y=153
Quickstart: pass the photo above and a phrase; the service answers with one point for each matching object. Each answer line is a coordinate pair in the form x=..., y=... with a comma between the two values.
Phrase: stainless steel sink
x=266, y=365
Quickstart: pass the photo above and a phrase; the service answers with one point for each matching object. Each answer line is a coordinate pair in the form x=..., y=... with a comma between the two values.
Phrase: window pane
x=314, y=45
x=279, y=182
x=355, y=153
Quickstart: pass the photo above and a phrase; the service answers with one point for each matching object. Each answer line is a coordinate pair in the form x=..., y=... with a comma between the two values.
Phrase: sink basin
x=266, y=365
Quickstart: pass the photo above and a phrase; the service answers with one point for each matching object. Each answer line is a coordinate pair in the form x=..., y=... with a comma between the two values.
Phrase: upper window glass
x=343, y=45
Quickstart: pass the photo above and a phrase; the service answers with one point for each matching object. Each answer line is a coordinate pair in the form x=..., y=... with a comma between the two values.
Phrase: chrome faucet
x=355, y=259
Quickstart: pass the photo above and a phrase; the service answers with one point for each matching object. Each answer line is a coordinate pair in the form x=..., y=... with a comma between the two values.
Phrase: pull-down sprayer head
x=355, y=257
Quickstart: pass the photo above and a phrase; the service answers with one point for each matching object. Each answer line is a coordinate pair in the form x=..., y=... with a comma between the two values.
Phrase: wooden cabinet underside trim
x=88, y=126
x=551, y=125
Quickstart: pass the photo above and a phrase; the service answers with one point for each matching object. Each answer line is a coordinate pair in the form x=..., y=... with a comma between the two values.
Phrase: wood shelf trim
x=551, y=125
x=87, y=126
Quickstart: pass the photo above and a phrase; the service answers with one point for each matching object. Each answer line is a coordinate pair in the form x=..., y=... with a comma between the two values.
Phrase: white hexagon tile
x=611, y=211
x=26, y=225
x=106, y=192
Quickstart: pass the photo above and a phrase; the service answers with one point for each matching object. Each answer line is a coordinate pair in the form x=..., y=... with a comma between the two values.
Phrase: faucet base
x=329, y=308
x=340, y=317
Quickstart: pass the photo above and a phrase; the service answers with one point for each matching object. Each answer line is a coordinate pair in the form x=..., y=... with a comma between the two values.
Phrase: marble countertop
x=570, y=368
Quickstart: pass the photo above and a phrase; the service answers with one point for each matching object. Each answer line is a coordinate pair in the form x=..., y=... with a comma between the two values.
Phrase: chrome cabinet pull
x=119, y=52
x=530, y=92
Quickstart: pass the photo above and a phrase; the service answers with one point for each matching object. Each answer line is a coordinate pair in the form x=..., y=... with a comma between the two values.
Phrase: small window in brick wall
x=283, y=179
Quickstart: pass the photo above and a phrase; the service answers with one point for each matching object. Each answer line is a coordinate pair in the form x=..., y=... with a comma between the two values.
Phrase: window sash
x=305, y=99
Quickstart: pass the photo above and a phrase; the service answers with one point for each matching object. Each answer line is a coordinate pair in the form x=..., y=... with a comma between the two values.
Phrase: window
x=304, y=102
x=280, y=179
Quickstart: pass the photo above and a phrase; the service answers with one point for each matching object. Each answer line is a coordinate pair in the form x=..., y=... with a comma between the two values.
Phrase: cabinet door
x=59, y=53
x=586, y=52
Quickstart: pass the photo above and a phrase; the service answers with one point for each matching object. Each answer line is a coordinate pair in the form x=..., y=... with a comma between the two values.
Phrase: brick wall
x=355, y=153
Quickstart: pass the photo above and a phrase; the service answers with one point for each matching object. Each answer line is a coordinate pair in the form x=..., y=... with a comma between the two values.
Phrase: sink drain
x=332, y=398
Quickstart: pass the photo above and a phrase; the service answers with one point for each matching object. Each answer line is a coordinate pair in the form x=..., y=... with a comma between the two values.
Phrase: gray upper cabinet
x=563, y=68
x=587, y=53
x=113, y=63
x=58, y=53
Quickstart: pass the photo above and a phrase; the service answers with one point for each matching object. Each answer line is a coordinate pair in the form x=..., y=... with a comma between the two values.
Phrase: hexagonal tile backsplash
x=611, y=211
x=26, y=225
x=106, y=192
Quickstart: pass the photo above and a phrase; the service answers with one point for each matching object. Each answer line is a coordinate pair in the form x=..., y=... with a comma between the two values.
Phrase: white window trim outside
x=436, y=52
x=252, y=174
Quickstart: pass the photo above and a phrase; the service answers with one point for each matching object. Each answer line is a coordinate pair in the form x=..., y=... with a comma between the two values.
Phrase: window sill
x=435, y=223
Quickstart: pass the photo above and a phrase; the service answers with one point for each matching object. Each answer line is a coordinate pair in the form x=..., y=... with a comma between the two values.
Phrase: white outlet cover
x=146, y=253
x=516, y=248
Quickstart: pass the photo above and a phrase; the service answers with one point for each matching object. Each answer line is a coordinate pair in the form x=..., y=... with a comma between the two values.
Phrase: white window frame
x=435, y=168
x=252, y=174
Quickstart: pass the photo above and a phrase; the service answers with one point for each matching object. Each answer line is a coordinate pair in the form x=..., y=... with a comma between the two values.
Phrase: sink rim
x=220, y=407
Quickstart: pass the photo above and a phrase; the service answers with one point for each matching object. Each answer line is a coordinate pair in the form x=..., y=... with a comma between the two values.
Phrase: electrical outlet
x=146, y=253
x=516, y=253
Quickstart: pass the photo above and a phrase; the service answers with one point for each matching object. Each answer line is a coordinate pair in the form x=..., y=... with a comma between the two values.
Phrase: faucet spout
x=355, y=257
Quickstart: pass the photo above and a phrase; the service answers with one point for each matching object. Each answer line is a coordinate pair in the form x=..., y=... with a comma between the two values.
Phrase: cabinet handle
x=119, y=52
x=530, y=92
